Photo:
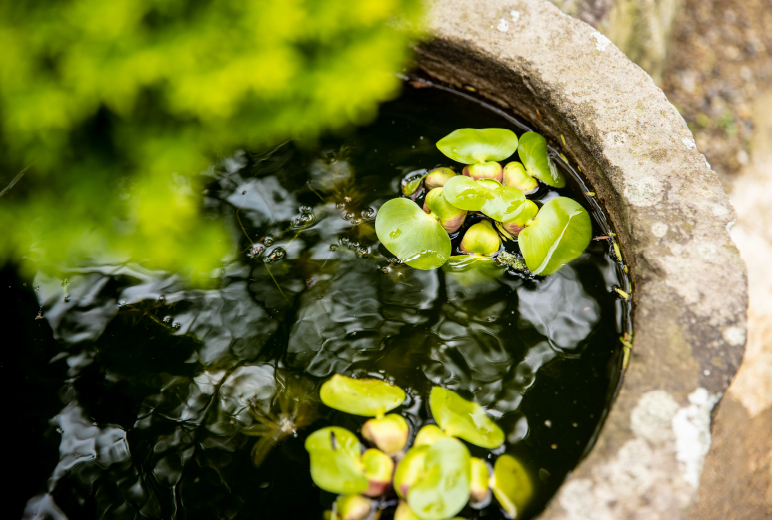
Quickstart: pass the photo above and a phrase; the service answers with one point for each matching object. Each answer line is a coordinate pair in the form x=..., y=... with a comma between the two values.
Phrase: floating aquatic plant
x=548, y=238
x=434, y=479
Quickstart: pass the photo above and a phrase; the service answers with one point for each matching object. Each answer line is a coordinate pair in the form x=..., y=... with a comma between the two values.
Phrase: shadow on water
x=140, y=397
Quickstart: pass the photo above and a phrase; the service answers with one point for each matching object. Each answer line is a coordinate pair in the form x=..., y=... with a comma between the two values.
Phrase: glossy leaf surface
x=464, y=419
x=466, y=193
x=481, y=239
x=561, y=231
x=443, y=489
x=506, y=205
x=335, y=460
x=367, y=397
x=411, y=235
x=533, y=152
x=470, y=145
x=409, y=469
x=511, y=485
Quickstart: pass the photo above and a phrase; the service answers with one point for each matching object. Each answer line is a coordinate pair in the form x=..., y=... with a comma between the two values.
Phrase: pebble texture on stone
x=673, y=220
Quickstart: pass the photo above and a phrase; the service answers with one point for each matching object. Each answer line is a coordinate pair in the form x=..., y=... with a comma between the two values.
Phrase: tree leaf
x=511, y=485
x=335, y=460
x=464, y=419
x=466, y=193
x=560, y=232
x=443, y=489
x=469, y=145
x=411, y=235
x=367, y=397
x=533, y=153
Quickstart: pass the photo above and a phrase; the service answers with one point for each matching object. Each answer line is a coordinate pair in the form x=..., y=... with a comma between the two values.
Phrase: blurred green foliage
x=113, y=108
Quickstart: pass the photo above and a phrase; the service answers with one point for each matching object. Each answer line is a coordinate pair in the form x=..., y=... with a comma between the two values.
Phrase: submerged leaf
x=443, y=489
x=469, y=145
x=560, y=232
x=411, y=235
x=511, y=485
x=335, y=461
x=367, y=397
x=533, y=152
x=464, y=419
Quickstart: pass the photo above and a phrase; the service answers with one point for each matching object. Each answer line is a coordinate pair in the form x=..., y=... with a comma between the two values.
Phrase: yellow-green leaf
x=367, y=397
x=464, y=419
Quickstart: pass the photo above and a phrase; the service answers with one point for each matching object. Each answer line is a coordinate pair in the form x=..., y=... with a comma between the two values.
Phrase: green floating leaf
x=511, y=485
x=409, y=469
x=411, y=235
x=469, y=145
x=335, y=461
x=465, y=193
x=481, y=239
x=480, y=476
x=464, y=419
x=561, y=231
x=502, y=203
x=533, y=152
x=367, y=397
x=410, y=187
x=443, y=489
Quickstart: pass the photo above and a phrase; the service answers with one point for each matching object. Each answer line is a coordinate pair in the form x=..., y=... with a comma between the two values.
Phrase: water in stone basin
x=133, y=390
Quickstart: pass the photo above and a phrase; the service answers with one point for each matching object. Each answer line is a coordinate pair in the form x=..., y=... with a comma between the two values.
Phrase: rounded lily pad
x=464, y=419
x=444, y=487
x=511, y=485
x=532, y=150
x=411, y=235
x=367, y=397
x=470, y=145
x=466, y=193
x=335, y=460
x=561, y=231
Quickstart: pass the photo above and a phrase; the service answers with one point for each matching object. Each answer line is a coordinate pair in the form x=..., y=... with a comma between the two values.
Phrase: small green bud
x=479, y=492
x=438, y=177
x=409, y=470
x=389, y=433
x=379, y=468
x=514, y=227
x=515, y=176
x=484, y=170
x=428, y=435
x=353, y=507
x=450, y=217
x=481, y=239
x=404, y=512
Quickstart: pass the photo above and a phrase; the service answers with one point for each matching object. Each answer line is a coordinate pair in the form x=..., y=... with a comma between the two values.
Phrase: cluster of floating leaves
x=435, y=478
x=548, y=237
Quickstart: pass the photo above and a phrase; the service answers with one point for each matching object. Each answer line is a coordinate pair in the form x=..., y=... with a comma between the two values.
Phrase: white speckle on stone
x=692, y=430
x=652, y=416
x=706, y=372
x=659, y=229
x=719, y=210
x=707, y=251
x=706, y=162
x=515, y=15
x=601, y=42
x=644, y=192
x=503, y=25
x=734, y=335
x=689, y=143
x=730, y=225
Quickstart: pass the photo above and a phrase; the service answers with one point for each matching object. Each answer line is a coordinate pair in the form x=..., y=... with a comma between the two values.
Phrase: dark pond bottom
x=129, y=391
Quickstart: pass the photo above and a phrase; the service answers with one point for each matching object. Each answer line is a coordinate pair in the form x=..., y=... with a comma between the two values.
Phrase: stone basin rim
x=673, y=220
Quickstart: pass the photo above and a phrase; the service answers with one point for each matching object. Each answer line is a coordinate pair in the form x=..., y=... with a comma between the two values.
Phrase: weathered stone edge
x=672, y=216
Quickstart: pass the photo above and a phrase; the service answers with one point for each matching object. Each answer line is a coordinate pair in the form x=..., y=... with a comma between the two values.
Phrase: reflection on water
x=195, y=403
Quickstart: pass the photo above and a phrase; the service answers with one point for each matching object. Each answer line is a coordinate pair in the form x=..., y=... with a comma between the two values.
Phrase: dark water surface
x=130, y=391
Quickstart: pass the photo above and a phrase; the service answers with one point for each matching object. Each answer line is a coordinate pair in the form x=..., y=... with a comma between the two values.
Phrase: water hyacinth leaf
x=379, y=468
x=511, y=229
x=409, y=469
x=411, y=235
x=410, y=187
x=450, y=217
x=511, y=485
x=366, y=397
x=561, y=231
x=465, y=193
x=515, y=176
x=443, y=489
x=487, y=170
x=335, y=461
x=469, y=145
x=506, y=205
x=388, y=433
x=353, y=507
x=479, y=491
x=533, y=152
x=430, y=433
x=438, y=177
x=464, y=419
